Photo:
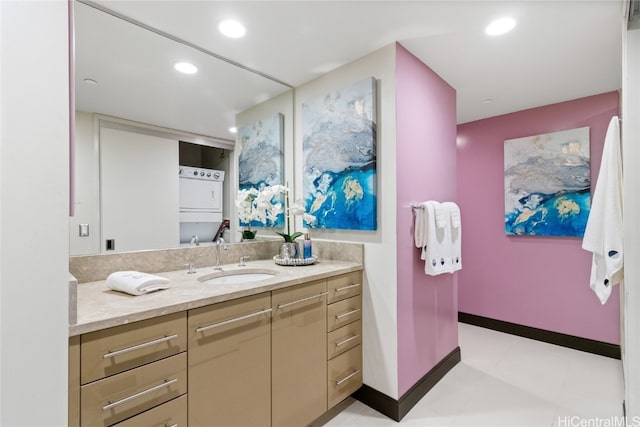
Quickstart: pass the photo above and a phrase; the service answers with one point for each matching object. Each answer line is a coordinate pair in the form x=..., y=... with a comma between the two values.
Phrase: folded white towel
x=135, y=282
x=454, y=211
x=442, y=215
x=419, y=230
x=604, y=233
x=437, y=251
x=456, y=235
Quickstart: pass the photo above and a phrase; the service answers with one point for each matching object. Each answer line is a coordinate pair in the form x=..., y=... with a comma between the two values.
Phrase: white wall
x=631, y=160
x=380, y=298
x=34, y=169
x=86, y=188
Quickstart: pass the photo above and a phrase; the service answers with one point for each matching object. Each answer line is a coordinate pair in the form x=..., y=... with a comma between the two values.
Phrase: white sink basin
x=235, y=277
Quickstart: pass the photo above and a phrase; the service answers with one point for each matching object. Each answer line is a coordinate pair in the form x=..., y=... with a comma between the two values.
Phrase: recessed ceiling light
x=231, y=28
x=500, y=26
x=233, y=129
x=90, y=82
x=185, y=67
x=487, y=101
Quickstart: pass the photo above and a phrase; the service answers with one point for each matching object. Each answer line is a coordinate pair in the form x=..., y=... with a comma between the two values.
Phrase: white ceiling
x=559, y=50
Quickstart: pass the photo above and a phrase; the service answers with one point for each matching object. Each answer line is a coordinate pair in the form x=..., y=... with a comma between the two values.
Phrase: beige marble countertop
x=99, y=307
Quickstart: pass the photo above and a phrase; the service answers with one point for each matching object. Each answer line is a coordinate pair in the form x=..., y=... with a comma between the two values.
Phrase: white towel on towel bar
x=604, y=233
x=456, y=235
x=135, y=282
x=438, y=249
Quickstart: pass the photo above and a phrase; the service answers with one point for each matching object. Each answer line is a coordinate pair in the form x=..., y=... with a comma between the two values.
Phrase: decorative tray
x=293, y=262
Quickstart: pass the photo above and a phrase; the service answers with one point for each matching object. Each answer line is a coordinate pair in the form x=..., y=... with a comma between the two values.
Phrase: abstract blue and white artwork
x=547, y=184
x=339, y=152
x=260, y=148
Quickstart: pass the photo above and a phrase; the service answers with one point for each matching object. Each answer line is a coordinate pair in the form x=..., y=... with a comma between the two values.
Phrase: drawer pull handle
x=344, y=288
x=139, y=346
x=166, y=383
x=348, y=313
x=235, y=319
x=348, y=377
x=343, y=342
x=302, y=300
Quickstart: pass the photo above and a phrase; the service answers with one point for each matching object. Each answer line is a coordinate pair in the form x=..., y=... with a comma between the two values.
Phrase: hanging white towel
x=434, y=241
x=135, y=282
x=419, y=227
x=442, y=214
x=604, y=233
x=456, y=235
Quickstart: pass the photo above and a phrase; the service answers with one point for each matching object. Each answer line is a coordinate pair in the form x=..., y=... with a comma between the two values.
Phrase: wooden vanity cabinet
x=280, y=358
x=298, y=349
x=230, y=363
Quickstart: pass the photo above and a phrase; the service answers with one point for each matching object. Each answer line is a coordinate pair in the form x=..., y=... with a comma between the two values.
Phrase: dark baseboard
x=397, y=409
x=332, y=413
x=557, y=338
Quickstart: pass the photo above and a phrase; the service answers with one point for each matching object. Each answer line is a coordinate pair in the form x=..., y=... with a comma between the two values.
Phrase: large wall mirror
x=138, y=119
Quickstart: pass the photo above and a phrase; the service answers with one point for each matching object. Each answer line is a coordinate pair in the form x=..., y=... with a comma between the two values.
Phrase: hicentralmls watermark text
x=576, y=421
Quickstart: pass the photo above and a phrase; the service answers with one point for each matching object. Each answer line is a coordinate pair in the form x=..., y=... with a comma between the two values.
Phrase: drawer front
x=114, y=350
x=114, y=399
x=344, y=286
x=344, y=375
x=170, y=414
x=343, y=312
x=343, y=339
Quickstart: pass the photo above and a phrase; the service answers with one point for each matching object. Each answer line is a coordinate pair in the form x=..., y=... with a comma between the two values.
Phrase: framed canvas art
x=547, y=184
x=339, y=152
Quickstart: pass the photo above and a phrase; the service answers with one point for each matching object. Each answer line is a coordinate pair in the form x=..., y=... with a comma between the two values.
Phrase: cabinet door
x=230, y=363
x=299, y=352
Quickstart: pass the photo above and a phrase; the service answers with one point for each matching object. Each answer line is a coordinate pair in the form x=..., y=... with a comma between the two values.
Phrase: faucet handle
x=191, y=268
x=242, y=260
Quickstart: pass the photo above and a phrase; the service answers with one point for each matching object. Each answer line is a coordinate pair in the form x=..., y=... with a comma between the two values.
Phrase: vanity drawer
x=344, y=286
x=114, y=350
x=343, y=312
x=344, y=339
x=170, y=414
x=114, y=399
x=344, y=375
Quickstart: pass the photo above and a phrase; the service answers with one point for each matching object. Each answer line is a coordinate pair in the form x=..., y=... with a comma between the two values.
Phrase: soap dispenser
x=306, y=247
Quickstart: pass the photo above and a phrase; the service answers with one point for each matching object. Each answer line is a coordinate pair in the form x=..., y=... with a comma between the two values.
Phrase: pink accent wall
x=541, y=282
x=426, y=170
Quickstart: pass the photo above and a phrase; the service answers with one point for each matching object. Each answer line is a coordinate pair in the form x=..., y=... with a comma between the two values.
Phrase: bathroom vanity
x=281, y=351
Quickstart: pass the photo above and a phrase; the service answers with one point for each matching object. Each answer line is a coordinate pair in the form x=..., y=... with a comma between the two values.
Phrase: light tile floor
x=505, y=380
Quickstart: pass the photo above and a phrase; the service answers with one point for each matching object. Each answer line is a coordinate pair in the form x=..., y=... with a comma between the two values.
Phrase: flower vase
x=249, y=235
x=289, y=250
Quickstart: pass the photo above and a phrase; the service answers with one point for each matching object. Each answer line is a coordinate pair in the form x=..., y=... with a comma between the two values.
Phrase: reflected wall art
x=261, y=156
x=547, y=184
x=339, y=152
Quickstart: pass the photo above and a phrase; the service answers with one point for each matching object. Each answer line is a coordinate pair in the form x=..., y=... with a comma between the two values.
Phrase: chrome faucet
x=195, y=241
x=219, y=242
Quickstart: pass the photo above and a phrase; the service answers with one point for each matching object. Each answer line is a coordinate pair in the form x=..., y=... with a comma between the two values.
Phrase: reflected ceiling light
x=487, y=101
x=90, y=82
x=185, y=67
x=500, y=26
x=233, y=129
x=231, y=28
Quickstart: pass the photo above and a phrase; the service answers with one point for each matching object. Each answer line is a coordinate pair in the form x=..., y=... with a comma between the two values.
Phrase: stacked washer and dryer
x=201, y=203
